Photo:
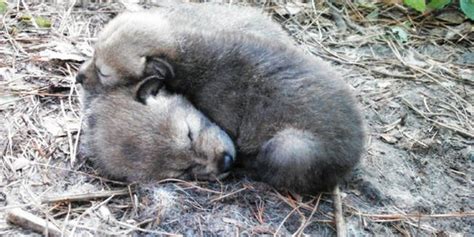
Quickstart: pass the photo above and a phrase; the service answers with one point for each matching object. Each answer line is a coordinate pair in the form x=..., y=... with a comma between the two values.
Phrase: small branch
x=337, y=17
x=32, y=222
x=338, y=215
x=399, y=217
x=300, y=231
x=85, y=196
x=392, y=74
x=228, y=194
x=439, y=124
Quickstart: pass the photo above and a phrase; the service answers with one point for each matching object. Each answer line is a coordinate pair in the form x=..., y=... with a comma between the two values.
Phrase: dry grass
x=417, y=97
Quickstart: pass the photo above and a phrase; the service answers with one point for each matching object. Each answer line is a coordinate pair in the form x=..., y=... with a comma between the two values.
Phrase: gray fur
x=122, y=55
x=294, y=121
x=166, y=138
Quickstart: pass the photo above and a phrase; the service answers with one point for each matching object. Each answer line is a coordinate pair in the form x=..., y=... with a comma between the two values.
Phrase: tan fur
x=166, y=138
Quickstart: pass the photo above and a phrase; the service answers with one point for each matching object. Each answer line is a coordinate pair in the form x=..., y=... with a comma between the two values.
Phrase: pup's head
x=123, y=49
x=155, y=136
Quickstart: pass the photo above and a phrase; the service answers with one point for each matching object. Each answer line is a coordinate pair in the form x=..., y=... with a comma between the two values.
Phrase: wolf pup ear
x=149, y=86
x=159, y=67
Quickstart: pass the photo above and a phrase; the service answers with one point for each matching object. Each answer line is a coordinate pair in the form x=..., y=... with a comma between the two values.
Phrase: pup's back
x=292, y=116
x=237, y=19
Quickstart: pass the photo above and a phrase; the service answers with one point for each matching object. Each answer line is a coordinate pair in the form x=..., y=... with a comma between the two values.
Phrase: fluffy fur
x=164, y=138
x=294, y=121
x=144, y=33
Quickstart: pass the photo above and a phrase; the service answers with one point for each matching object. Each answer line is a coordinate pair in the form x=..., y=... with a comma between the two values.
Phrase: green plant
x=3, y=6
x=40, y=21
x=467, y=6
x=43, y=22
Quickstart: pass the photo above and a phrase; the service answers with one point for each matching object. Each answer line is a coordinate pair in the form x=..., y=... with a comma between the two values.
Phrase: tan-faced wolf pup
x=157, y=136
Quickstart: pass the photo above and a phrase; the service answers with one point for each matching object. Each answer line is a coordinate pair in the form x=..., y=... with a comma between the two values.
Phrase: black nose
x=80, y=78
x=227, y=162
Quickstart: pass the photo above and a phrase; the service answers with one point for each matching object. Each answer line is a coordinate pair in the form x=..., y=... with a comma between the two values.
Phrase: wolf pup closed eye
x=162, y=137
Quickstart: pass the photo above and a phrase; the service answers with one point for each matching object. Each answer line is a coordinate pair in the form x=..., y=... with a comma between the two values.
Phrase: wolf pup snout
x=80, y=78
x=226, y=163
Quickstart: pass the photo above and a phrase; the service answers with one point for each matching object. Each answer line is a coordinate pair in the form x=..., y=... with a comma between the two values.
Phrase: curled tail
x=299, y=161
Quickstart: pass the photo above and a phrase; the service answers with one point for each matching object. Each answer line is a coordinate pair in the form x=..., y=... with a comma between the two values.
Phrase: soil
x=414, y=78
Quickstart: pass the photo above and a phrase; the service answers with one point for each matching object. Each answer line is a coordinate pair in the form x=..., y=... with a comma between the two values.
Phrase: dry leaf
x=62, y=51
x=389, y=138
x=20, y=163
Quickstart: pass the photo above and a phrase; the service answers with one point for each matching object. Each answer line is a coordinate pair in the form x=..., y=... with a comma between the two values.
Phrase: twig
x=338, y=19
x=37, y=93
x=160, y=233
x=190, y=184
x=85, y=196
x=338, y=216
x=300, y=230
x=78, y=172
x=228, y=194
x=88, y=211
x=399, y=217
x=392, y=74
x=32, y=222
x=458, y=130
x=284, y=220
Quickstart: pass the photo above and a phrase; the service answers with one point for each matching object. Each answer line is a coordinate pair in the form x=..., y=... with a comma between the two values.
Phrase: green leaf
x=373, y=15
x=25, y=18
x=3, y=6
x=467, y=6
x=438, y=4
x=43, y=22
x=366, y=4
x=400, y=34
x=418, y=5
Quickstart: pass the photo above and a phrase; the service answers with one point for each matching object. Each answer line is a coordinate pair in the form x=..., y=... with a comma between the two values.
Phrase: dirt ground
x=414, y=77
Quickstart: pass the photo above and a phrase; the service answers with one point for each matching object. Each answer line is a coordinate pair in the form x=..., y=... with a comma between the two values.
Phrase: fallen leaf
x=3, y=7
x=388, y=138
x=62, y=51
x=8, y=99
x=42, y=22
x=20, y=163
x=419, y=5
x=467, y=6
x=290, y=9
x=52, y=126
x=384, y=84
x=415, y=60
x=50, y=54
x=438, y=4
x=453, y=17
x=400, y=34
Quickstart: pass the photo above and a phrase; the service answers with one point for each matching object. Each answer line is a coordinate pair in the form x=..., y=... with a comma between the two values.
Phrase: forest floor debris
x=414, y=77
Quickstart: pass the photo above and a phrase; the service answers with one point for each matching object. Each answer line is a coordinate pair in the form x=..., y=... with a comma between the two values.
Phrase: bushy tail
x=299, y=161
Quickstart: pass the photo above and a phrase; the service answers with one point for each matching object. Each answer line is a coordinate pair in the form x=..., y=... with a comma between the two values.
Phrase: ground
x=413, y=75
